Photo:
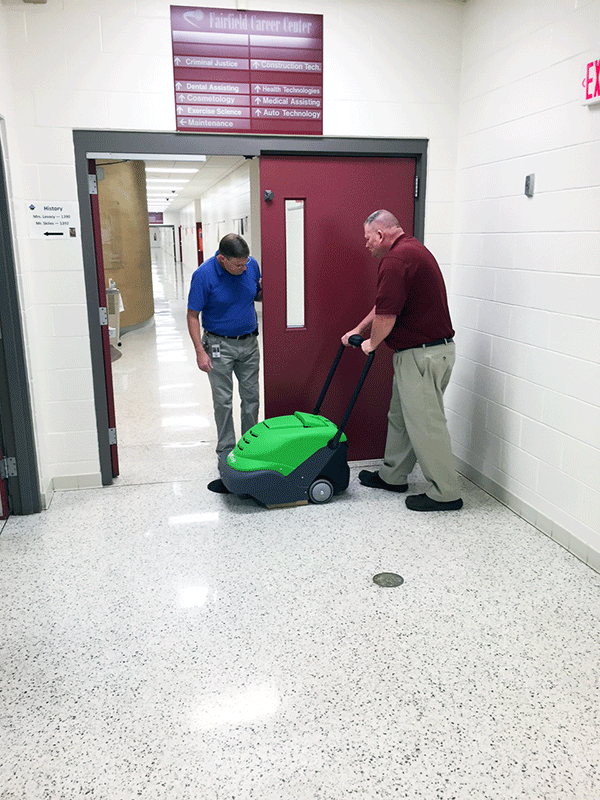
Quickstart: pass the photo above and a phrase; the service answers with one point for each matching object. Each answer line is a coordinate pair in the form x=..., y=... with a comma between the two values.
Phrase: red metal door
x=340, y=279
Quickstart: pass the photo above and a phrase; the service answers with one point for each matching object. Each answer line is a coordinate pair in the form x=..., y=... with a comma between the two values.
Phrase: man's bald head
x=381, y=231
x=383, y=219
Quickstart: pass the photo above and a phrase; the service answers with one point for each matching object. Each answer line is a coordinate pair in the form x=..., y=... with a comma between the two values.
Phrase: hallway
x=160, y=641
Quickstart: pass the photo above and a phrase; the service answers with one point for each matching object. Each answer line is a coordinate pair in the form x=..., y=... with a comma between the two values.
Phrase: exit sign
x=591, y=82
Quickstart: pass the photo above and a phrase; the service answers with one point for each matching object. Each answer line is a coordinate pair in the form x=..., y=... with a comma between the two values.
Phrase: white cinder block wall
x=524, y=406
x=219, y=209
x=222, y=205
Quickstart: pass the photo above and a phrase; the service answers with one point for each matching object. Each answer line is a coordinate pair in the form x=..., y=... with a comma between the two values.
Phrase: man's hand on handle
x=367, y=347
x=380, y=324
x=362, y=326
x=346, y=336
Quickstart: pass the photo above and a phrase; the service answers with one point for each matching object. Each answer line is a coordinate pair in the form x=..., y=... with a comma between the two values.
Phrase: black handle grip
x=355, y=340
x=334, y=443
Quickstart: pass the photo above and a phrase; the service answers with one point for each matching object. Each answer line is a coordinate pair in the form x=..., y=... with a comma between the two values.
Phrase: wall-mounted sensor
x=529, y=182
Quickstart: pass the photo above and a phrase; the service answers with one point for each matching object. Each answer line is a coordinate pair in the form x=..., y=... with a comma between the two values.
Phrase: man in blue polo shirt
x=223, y=289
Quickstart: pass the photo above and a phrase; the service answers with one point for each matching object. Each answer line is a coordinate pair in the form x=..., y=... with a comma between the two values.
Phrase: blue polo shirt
x=225, y=301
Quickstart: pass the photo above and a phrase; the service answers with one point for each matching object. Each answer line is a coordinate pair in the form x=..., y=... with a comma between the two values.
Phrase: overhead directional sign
x=247, y=71
x=52, y=220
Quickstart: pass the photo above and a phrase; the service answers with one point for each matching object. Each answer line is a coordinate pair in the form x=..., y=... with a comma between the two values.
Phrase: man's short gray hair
x=387, y=219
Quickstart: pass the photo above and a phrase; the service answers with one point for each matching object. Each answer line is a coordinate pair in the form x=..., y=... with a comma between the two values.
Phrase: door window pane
x=294, y=261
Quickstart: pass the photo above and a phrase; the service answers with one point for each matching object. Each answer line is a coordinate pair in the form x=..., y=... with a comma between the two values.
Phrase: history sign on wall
x=247, y=71
x=52, y=219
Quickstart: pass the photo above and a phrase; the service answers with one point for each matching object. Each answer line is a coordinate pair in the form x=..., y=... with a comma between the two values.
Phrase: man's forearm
x=193, y=324
x=368, y=320
x=380, y=328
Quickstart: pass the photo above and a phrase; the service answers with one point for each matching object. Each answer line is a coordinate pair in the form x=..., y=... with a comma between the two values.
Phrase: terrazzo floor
x=160, y=641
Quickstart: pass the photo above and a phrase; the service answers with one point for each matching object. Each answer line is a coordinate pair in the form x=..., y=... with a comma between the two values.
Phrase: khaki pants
x=417, y=428
x=242, y=358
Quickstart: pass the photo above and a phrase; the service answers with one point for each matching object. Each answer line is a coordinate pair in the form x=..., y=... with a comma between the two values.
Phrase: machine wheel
x=320, y=491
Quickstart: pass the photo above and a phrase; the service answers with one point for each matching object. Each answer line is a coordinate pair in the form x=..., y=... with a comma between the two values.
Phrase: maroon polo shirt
x=410, y=286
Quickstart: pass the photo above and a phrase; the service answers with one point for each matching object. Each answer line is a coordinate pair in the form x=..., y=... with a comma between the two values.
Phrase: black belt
x=241, y=336
x=429, y=344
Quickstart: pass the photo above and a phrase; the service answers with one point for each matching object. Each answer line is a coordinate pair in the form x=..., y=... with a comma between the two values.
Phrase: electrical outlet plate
x=529, y=184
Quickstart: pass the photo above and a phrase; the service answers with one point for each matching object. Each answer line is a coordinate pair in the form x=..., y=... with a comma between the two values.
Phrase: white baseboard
x=67, y=482
x=557, y=533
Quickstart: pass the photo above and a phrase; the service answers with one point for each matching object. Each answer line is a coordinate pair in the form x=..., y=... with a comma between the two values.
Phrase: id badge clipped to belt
x=215, y=350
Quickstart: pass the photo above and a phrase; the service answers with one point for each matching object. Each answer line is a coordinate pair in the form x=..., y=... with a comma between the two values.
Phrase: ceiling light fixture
x=174, y=181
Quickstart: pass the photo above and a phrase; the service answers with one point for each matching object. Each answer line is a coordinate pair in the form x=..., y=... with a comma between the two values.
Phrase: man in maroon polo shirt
x=411, y=315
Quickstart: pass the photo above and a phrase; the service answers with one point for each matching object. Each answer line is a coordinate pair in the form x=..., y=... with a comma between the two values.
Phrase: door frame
x=162, y=225
x=148, y=145
x=16, y=416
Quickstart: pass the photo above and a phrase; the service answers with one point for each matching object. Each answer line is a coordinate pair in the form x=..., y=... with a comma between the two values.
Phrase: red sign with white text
x=247, y=71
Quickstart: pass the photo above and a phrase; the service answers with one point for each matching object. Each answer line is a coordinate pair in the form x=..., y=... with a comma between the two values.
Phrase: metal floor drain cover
x=388, y=579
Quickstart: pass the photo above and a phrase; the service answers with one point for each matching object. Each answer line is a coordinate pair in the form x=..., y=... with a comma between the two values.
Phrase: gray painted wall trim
x=17, y=420
x=141, y=144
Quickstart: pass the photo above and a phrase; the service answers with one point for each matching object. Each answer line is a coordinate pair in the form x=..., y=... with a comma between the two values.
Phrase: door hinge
x=112, y=435
x=93, y=184
x=416, y=185
x=8, y=468
x=103, y=315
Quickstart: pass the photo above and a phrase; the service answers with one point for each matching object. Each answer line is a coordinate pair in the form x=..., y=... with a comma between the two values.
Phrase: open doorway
x=144, y=145
x=163, y=236
x=162, y=404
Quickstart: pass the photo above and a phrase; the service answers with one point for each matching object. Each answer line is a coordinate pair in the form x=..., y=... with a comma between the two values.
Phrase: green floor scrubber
x=296, y=459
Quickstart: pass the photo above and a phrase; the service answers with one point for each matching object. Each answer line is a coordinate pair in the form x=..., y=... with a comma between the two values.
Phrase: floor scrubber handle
x=355, y=340
x=358, y=340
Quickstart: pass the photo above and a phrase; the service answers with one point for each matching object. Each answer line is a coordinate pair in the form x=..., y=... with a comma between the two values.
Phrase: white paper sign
x=50, y=219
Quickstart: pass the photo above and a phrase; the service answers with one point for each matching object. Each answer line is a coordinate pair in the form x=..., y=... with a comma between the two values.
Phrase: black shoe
x=373, y=481
x=420, y=502
x=218, y=486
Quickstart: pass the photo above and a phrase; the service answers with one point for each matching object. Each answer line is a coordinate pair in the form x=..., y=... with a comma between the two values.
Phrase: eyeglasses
x=236, y=262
